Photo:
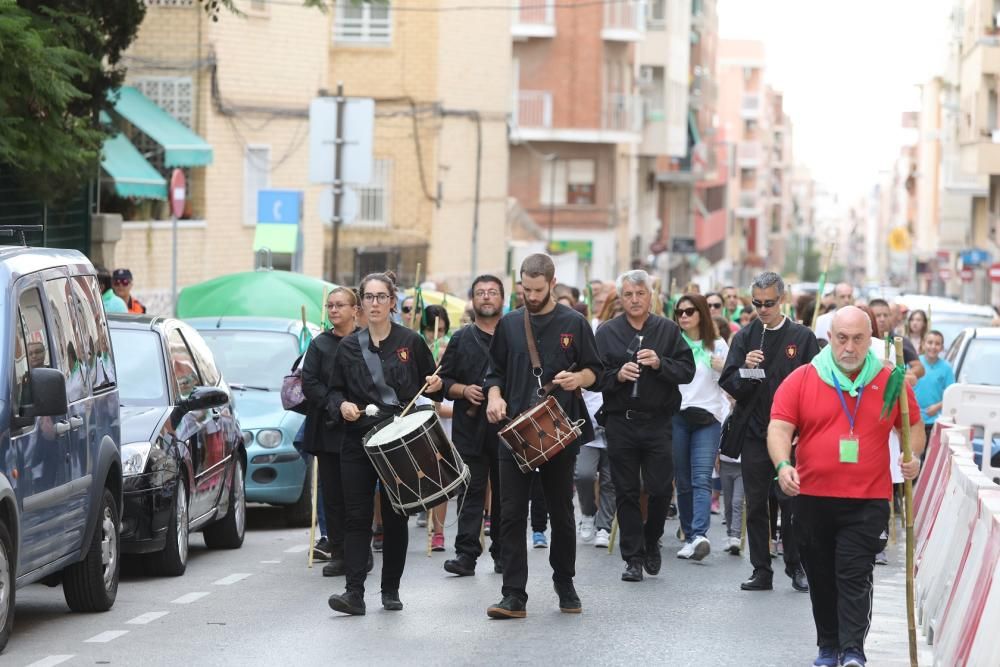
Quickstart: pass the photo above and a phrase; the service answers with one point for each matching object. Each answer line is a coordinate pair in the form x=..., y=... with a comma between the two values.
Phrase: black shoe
x=371, y=560
x=462, y=565
x=321, y=550
x=349, y=602
x=569, y=601
x=633, y=571
x=390, y=601
x=799, y=581
x=652, y=560
x=672, y=511
x=760, y=580
x=510, y=607
x=377, y=539
x=335, y=568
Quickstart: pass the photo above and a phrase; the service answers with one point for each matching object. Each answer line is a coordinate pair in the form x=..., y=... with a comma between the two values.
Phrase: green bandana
x=827, y=369
x=701, y=355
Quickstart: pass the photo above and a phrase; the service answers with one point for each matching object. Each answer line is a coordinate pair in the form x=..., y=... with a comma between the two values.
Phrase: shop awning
x=181, y=146
x=131, y=174
x=278, y=238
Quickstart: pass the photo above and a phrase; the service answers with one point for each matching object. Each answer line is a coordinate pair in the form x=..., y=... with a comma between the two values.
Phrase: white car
x=948, y=316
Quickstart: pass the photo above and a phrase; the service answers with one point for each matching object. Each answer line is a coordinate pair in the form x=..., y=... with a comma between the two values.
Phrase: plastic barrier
x=985, y=649
x=976, y=405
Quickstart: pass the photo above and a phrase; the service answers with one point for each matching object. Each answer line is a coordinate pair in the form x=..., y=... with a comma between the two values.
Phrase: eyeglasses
x=407, y=309
x=382, y=297
x=339, y=305
x=483, y=293
x=715, y=305
x=123, y=282
x=686, y=312
x=770, y=303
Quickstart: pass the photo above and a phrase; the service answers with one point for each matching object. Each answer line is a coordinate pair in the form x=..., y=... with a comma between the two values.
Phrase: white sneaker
x=700, y=547
x=602, y=538
x=587, y=528
x=734, y=546
x=686, y=551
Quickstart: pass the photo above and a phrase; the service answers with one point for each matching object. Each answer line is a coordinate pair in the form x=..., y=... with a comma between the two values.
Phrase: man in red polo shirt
x=841, y=477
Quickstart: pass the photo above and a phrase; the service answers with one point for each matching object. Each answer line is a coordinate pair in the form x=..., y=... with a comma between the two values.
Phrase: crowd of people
x=678, y=400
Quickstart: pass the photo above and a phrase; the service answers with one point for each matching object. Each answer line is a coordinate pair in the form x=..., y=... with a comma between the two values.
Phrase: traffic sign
x=967, y=275
x=944, y=273
x=348, y=205
x=178, y=193
x=683, y=244
x=358, y=135
x=279, y=206
x=975, y=257
x=995, y=272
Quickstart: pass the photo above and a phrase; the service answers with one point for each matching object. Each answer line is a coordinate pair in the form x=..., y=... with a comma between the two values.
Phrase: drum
x=418, y=465
x=538, y=434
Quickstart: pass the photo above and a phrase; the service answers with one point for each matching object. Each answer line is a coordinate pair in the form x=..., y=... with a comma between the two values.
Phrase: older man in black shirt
x=645, y=358
x=564, y=340
x=463, y=370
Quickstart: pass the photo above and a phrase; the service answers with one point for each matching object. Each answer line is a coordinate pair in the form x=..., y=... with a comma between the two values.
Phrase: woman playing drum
x=377, y=371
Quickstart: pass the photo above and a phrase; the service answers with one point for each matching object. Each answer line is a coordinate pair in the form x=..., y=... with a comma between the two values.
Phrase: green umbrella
x=256, y=293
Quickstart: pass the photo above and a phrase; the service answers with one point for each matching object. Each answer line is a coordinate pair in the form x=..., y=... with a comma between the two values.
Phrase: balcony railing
x=751, y=105
x=624, y=21
x=534, y=19
x=533, y=108
x=748, y=205
x=748, y=154
x=621, y=113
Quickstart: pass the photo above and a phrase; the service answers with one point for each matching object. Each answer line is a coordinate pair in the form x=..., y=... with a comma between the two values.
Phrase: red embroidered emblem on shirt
x=791, y=351
x=404, y=354
x=565, y=341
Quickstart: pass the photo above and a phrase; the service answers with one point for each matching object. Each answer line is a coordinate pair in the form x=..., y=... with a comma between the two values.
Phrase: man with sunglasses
x=761, y=355
x=121, y=283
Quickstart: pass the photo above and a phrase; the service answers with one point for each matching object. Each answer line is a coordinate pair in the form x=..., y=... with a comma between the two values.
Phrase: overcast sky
x=848, y=70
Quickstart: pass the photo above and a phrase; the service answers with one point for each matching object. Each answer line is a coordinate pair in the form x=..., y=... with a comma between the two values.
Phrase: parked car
x=183, y=457
x=975, y=357
x=61, y=478
x=949, y=316
x=255, y=353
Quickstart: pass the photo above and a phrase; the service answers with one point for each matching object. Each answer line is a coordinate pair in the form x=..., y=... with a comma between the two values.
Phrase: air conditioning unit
x=646, y=76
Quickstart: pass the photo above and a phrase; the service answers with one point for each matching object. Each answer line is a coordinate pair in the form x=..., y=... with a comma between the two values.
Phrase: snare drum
x=418, y=465
x=538, y=434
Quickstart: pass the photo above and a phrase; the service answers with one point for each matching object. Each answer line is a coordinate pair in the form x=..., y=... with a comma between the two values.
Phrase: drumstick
x=414, y=400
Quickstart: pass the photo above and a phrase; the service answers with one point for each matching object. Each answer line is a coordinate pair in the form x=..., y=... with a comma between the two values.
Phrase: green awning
x=276, y=238
x=181, y=146
x=132, y=175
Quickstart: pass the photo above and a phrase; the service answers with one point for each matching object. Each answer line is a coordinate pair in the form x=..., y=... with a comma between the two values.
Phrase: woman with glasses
x=364, y=401
x=697, y=426
x=716, y=308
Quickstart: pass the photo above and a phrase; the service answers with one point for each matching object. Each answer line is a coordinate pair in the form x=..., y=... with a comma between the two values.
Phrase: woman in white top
x=696, y=429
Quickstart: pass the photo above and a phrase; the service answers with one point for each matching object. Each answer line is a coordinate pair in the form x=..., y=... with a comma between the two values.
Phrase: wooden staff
x=312, y=524
x=322, y=309
x=904, y=438
x=416, y=298
x=822, y=285
x=614, y=533
x=414, y=400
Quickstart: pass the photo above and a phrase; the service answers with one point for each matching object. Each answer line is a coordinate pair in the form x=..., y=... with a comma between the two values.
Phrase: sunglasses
x=770, y=303
x=715, y=306
x=686, y=312
x=407, y=309
x=123, y=282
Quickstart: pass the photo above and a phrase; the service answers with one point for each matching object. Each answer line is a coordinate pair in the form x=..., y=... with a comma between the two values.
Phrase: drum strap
x=386, y=393
x=536, y=362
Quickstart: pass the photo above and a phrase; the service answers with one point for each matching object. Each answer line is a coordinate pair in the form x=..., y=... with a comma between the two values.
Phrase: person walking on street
x=840, y=482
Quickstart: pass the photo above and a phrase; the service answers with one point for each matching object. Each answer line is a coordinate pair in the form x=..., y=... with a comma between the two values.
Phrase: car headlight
x=269, y=438
x=134, y=456
x=247, y=438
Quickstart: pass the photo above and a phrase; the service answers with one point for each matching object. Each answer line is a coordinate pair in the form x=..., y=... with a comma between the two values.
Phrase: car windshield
x=980, y=363
x=951, y=325
x=138, y=363
x=252, y=358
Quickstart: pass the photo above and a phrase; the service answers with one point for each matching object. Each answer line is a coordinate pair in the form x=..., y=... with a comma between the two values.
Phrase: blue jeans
x=694, y=457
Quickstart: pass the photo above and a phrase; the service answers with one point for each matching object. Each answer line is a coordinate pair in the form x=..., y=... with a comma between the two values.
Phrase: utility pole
x=338, y=184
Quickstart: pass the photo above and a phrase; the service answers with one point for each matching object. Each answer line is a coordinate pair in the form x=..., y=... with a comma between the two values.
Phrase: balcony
x=748, y=154
x=750, y=108
x=621, y=113
x=624, y=21
x=533, y=20
x=748, y=205
x=533, y=108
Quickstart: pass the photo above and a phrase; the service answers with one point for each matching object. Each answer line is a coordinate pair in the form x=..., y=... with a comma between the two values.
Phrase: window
x=70, y=351
x=82, y=314
x=203, y=357
x=362, y=23
x=31, y=344
x=573, y=182
x=553, y=190
x=92, y=310
x=256, y=177
x=173, y=94
x=656, y=13
x=185, y=372
x=374, y=198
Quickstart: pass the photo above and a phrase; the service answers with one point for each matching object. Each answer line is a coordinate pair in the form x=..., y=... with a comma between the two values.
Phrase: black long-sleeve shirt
x=406, y=362
x=324, y=428
x=563, y=337
x=657, y=389
x=786, y=348
x=467, y=361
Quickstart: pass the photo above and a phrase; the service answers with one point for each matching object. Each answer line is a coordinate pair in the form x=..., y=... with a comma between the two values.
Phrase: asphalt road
x=261, y=605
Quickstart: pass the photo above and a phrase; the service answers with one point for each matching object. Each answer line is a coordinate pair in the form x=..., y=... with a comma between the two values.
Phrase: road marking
x=147, y=618
x=299, y=548
x=51, y=661
x=231, y=579
x=269, y=562
x=188, y=598
x=105, y=637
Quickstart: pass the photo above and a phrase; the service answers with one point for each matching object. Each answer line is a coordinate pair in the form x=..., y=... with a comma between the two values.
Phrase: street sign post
x=967, y=275
x=995, y=272
x=178, y=198
x=944, y=273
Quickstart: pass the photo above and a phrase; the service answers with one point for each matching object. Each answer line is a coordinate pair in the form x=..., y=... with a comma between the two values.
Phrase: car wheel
x=299, y=514
x=227, y=532
x=7, y=569
x=92, y=584
x=172, y=561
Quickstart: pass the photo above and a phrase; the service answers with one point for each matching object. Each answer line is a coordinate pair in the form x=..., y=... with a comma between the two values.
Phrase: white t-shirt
x=594, y=401
x=704, y=391
x=823, y=324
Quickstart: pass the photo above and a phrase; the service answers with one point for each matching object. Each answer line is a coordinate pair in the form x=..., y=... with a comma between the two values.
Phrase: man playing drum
x=645, y=358
x=563, y=343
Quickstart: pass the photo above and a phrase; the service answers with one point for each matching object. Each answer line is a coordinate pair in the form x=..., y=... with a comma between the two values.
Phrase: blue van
x=60, y=460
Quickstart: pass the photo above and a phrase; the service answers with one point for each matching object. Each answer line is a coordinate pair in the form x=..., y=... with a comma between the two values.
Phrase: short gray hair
x=766, y=280
x=636, y=277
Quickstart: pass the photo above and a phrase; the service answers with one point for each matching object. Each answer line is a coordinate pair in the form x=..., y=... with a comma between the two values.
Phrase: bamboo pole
x=416, y=297
x=904, y=438
x=822, y=285
x=312, y=524
x=614, y=533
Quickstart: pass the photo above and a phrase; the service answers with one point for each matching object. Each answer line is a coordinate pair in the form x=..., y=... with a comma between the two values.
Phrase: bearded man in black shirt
x=569, y=361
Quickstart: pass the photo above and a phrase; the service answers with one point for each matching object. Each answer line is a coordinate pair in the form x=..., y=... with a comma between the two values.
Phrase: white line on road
x=147, y=618
x=105, y=637
x=270, y=562
x=299, y=548
x=188, y=598
x=51, y=661
x=231, y=579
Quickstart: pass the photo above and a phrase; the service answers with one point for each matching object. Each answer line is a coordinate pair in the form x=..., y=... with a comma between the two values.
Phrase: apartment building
x=780, y=161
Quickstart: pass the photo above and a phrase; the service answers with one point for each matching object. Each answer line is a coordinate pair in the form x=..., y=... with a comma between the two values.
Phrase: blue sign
x=279, y=206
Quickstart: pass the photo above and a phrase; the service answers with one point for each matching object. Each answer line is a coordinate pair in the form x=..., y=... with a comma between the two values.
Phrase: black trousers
x=839, y=539
x=539, y=515
x=556, y=478
x=483, y=468
x=758, y=475
x=333, y=500
x=641, y=455
x=359, y=479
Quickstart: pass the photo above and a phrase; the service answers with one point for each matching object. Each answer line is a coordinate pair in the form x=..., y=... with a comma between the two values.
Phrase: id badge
x=848, y=448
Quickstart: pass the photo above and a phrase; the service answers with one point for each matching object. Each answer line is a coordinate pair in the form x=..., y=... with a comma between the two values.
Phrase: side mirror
x=204, y=398
x=48, y=395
